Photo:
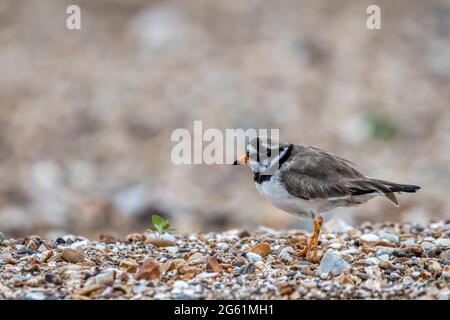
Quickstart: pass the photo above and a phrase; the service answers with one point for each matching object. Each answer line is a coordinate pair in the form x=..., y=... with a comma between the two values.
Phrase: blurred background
x=86, y=115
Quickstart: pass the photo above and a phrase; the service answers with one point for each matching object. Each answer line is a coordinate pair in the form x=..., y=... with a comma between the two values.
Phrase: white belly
x=274, y=191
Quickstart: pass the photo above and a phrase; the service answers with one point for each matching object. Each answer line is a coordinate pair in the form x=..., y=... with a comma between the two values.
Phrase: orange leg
x=313, y=241
x=317, y=225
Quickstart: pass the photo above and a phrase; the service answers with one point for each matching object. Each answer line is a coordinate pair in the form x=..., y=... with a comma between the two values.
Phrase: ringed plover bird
x=307, y=182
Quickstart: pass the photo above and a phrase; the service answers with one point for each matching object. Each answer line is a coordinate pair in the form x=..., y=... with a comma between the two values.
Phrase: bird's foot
x=315, y=258
x=302, y=252
x=305, y=251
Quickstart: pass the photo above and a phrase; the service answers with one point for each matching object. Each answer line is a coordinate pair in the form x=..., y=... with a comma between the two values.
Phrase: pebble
x=25, y=250
x=331, y=262
x=399, y=253
x=407, y=280
x=434, y=266
x=35, y=296
x=335, y=245
x=72, y=255
x=5, y=257
x=129, y=265
x=106, y=238
x=100, y=246
x=389, y=236
x=196, y=258
x=370, y=237
x=285, y=254
x=428, y=246
x=86, y=291
x=372, y=260
x=444, y=295
x=394, y=276
x=446, y=274
x=261, y=249
x=52, y=278
x=179, y=285
x=160, y=243
x=213, y=265
x=354, y=233
x=385, y=265
x=408, y=242
x=135, y=237
x=247, y=269
x=347, y=257
x=445, y=255
x=337, y=226
x=253, y=257
x=106, y=278
x=260, y=265
x=383, y=257
x=443, y=242
x=172, y=250
x=148, y=271
x=437, y=225
x=165, y=236
x=350, y=251
x=222, y=269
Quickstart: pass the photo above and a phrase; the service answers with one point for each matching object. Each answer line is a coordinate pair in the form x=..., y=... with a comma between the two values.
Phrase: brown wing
x=319, y=174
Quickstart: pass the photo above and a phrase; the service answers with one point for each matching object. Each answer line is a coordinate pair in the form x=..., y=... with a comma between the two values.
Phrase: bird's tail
x=395, y=187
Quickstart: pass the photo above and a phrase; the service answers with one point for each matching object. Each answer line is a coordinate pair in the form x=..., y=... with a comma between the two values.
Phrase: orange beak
x=242, y=160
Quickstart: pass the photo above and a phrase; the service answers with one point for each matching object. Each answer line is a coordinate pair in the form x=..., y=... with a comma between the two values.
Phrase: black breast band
x=260, y=178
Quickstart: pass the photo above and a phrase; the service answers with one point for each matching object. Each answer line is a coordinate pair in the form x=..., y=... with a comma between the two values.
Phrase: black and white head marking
x=266, y=155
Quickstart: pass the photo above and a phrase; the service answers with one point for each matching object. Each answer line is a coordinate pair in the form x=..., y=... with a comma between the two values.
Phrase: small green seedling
x=160, y=225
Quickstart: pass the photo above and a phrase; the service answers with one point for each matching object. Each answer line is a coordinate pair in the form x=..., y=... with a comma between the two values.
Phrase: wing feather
x=315, y=173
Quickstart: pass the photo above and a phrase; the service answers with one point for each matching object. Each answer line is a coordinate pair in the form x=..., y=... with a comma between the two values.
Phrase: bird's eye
x=269, y=153
x=247, y=153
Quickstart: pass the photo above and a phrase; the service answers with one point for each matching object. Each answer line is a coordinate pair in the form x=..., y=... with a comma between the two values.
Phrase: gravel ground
x=381, y=261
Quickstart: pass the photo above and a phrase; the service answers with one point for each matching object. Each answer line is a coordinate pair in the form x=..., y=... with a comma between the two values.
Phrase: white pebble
x=370, y=237
x=407, y=280
x=172, y=249
x=384, y=257
x=444, y=242
x=196, y=258
x=427, y=246
x=253, y=257
x=409, y=243
x=335, y=245
x=285, y=254
x=262, y=266
x=389, y=236
x=204, y=275
x=350, y=251
x=437, y=225
x=372, y=260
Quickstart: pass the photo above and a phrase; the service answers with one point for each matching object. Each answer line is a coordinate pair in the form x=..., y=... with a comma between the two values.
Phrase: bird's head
x=263, y=154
